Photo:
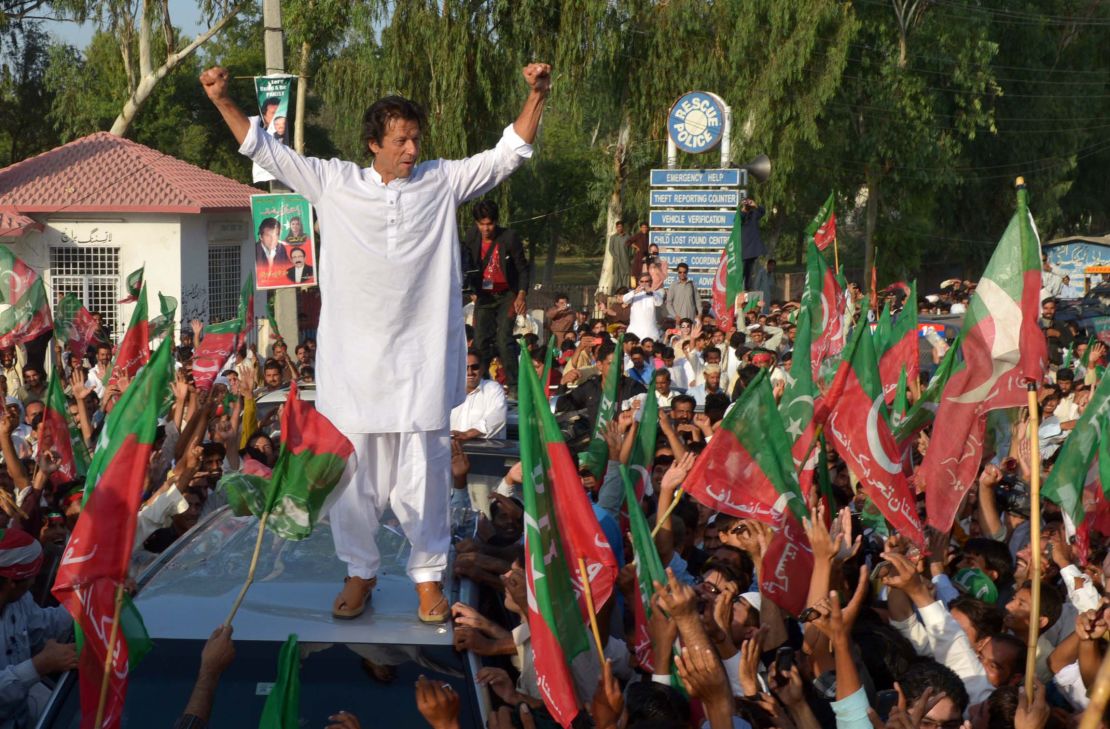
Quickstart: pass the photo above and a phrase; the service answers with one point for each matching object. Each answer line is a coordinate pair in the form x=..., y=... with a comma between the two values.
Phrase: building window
x=224, y=278
x=92, y=275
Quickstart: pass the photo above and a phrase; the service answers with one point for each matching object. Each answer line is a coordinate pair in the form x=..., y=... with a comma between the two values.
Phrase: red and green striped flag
x=245, y=315
x=722, y=308
x=61, y=435
x=643, y=448
x=216, y=346
x=922, y=412
x=596, y=457
x=649, y=569
x=859, y=426
x=899, y=351
x=282, y=709
x=548, y=359
x=134, y=350
x=734, y=266
x=901, y=401
x=1003, y=349
x=311, y=460
x=133, y=286
x=28, y=318
x=16, y=276
x=829, y=329
x=557, y=629
x=271, y=316
x=747, y=470
x=98, y=553
x=74, y=326
x=162, y=325
x=822, y=229
x=1064, y=483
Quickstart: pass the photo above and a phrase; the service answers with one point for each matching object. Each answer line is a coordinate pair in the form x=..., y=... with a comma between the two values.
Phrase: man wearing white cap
x=29, y=633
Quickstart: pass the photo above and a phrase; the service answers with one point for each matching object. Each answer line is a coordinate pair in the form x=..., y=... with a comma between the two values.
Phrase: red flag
x=832, y=334
x=134, y=350
x=825, y=234
x=902, y=349
x=1003, y=349
x=74, y=326
x=722, y=307
x=215, y=348
x=786, y=567
x=860, y=428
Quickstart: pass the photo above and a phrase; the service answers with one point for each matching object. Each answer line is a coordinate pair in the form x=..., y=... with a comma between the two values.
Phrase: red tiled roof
x=106, y=173
x=14, y=225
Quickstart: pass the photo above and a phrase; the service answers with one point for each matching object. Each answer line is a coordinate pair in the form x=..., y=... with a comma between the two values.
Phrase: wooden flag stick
x=1100, y=693
x=667, y=513
x=590, y=607
x=1034, y=541
x=250, y=572
x=112, y=638
x=836, y=255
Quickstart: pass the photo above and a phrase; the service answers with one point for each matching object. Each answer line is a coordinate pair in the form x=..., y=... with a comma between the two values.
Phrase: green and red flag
x=859, y=426
x=557, y=630
x=282, y=709
x=162, y=325
x=26, y=319
x=134, y=350
x=133, y=285
x=901, y=401
x=899, y=349
x=1003, y=350
x=548, y=359
x=596, y=457
x=649, y=569
x=271, y=317
x=922, y=412
x=245, y=315
x=98, y=553
x=309, y=465
x=74, y=327
x=213, y=352
x=642, y=457
x=734, y=263
x=1064, y=484
x=16, y=276
x=58, y=433
x=829, y=329
x=723, y=310
x=822, y=229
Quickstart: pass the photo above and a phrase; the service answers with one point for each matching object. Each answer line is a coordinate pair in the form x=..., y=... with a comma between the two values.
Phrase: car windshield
x=373, y=682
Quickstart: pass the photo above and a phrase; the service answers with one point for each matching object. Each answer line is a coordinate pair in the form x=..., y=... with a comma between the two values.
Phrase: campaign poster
x=274, y=115
x=284, y=245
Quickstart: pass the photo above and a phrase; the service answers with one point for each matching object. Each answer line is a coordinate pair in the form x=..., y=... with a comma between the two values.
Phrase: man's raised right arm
x=214, y=81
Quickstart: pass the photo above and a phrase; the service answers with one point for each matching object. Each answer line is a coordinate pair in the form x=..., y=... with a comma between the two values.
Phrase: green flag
x=1064, y=484
x=133, y=285
x=898, y=410
x=734, y=263
x=596, y=457
x=162, y=325
x=283, y=705
x=921, y=413
x=271, y=316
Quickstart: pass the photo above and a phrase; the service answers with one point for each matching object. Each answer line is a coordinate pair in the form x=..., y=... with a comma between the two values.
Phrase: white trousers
x=411, y=473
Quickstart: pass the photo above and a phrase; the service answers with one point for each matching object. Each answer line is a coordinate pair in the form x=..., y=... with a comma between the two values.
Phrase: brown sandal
x=433, y=605
x=353, y=598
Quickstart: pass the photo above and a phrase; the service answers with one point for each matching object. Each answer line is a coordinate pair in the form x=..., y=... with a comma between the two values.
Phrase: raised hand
x=538, y=76
x=836, y=622
x=498, y=681
x=704, y=676
x=438, y=703
x=608, y=700
x=677, y=598
x=676, y=474
x=214, y=81
x=1032, y=714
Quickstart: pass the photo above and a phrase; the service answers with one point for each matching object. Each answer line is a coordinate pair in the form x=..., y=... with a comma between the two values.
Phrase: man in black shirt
x=587, y=396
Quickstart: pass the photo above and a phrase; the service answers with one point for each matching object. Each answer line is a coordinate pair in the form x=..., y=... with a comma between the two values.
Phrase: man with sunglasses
x=484, y=411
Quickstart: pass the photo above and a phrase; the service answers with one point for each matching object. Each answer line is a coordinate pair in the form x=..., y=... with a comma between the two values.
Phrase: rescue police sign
x=696, y=121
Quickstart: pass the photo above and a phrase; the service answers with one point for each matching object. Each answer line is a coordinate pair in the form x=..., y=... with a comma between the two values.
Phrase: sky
x=185, y=14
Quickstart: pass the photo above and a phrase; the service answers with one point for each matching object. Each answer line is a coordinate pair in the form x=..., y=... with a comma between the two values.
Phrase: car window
x=374, y=682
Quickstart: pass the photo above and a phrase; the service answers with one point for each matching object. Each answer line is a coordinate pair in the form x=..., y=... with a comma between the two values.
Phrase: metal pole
x=726, y=135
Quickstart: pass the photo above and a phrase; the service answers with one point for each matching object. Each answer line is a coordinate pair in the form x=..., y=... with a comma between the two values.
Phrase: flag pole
x=1100, y=693
x=1034, y=540
x=836, y=255
x=667, y=513
x=250, y=572
x=112, y=638
x=590, y=608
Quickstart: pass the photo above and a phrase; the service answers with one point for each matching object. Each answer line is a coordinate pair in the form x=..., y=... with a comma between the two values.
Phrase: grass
x=570, y=271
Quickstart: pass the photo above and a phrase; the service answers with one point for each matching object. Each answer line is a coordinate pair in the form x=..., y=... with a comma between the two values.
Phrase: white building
x=89, y=212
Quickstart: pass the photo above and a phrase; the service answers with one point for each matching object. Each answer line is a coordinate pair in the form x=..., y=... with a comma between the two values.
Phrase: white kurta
x=641, y=314
x=484, y=409
x=390, y=344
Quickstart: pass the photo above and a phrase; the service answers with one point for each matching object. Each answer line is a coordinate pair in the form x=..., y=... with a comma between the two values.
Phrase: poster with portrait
x=284, y=244
x=274, y=112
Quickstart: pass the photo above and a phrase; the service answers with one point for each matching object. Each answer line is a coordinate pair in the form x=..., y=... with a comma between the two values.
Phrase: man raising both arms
x=393, y=249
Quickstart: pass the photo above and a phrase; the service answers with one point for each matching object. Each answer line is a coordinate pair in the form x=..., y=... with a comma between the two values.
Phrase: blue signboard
x=695, y=198
x=696, y=121
x=692, y=218
x=702, y=281
x=696, y=261
x=689, y=238
x=730, y=177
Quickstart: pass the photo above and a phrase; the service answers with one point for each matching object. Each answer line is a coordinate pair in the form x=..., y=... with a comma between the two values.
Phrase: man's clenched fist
x=214, y=81
x=538, y=76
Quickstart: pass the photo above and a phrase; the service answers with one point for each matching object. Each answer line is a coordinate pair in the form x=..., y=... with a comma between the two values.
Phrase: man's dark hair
x=472, y=352
x=680, y=399
x=268, y=224
x=664, y=373
x=1021, y=651
x=31, y=368
x=376, y=120
x=272, y=364
x=653, y=702
x=1052, y=602
x=1065, y=373
x=682, y=266
x=636, y=350
x=539, y=354
x=561, y=295
x=486, y=209
x=213, y=449
x=943, y=680
x=630, y=338
x=996, y=555
x=272, y=101
x=1002, y=706
x=294, y=249
x=984, y=617
x=297, y=218
x=607, y=348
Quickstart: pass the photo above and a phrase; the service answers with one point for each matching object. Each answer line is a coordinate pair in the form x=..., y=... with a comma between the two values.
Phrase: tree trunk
x=302, y=94
x=549, y=262
x=616, y=204
x=150, y=79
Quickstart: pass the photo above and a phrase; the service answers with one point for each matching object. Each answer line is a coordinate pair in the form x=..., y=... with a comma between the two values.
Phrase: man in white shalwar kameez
x=390, y=284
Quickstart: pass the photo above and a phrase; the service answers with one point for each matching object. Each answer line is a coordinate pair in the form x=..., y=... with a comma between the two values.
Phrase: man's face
x=297, y=257
x=598, y=329
x=269, y=237
x=186, y=520
x=712, y=380
x=1018, y=612
x=213, y=464
x=682, y=272
x=757, y=336
x=999, y=660
x=1048, y=309
x=713, y=356
x=637, y=361
x=302, y=354
x=485, y=228
x=945, y=714
x=279, y=126
x=644, y=228
x=645, y=282
x=683, y=412
x=399, y=149
x=34, y=410
x=7, y=357
x=271, y=377
x=562, y=303
x=620, y=228
x=32, y=378
x=1065, y=385
x=473, y=372
x=662, y=385
x=268, y=114
x=103, y=355
x=296, y=227
x=648, y=346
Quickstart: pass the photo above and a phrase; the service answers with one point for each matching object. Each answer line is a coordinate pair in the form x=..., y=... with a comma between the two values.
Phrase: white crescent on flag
x=875, y=444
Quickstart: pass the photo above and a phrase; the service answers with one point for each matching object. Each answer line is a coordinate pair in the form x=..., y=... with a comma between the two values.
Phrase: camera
x=1012, y=495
